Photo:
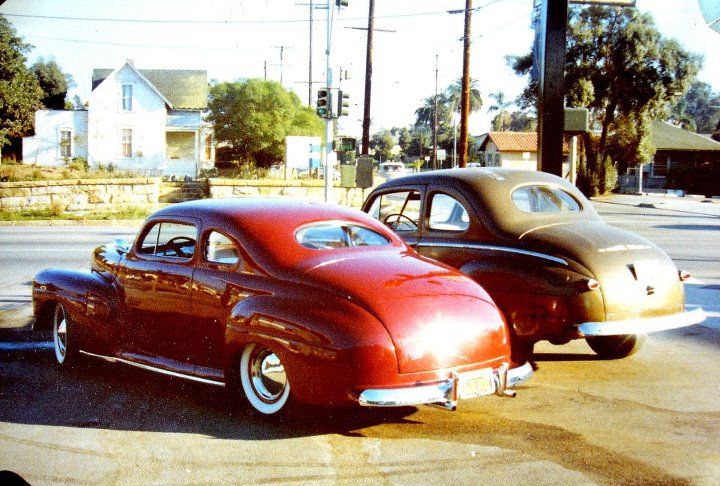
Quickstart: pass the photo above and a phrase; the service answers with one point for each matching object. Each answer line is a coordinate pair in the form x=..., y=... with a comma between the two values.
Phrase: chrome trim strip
x=143, y=366
x=642, y=325
x=506, y=249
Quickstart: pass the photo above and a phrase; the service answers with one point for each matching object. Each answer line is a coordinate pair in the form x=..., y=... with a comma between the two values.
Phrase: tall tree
x=253, y=117
x=382, y=144
x=453, y=95
x=53, y=83
x=698, y=110
x=503, y=119
x=19, y=90
x=621, y=68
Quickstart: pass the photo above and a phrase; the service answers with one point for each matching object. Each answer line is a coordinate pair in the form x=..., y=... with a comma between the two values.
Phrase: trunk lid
x=436, y=317
x=637, y=278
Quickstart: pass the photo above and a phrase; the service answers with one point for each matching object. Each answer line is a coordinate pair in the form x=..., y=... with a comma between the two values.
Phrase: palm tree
x=453, y=95
x=425, y=115
x=499, y=122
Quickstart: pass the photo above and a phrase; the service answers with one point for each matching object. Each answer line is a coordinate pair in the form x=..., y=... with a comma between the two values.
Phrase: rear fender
x=90, y=299
x=540, y=301
x=339, y=341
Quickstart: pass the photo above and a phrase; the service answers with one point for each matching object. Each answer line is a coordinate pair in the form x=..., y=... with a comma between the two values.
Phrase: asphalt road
x=653, y=418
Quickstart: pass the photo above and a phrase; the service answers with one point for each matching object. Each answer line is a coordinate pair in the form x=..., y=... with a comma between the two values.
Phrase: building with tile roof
x=513, y=150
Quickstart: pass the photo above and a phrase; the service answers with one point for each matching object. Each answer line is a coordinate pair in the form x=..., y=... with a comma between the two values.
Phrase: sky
x=417, y=45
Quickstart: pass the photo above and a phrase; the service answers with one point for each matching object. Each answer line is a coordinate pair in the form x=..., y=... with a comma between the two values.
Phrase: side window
x=221, y=249
x=169, y=239
x=398, y=210
x=447, y=214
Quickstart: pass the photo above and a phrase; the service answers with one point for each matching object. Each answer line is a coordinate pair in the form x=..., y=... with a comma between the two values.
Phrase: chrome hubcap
x=60, y=333
x=267, y=375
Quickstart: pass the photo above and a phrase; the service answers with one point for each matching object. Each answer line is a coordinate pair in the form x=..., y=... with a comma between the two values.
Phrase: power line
x=150, y=46
x=225, y=21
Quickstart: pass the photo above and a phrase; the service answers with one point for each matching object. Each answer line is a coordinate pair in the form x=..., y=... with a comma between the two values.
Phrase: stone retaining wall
x=87, y=194
x=308, y=190
x=79, y=195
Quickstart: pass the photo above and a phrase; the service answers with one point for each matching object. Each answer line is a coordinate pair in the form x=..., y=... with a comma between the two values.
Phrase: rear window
x=330, y=236
x=544, y=199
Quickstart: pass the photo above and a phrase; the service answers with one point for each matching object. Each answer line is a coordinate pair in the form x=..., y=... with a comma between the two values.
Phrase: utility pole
x=329, y=136
x=465, y=96
x=310, y=56
x=435, y=118
x=368, y=79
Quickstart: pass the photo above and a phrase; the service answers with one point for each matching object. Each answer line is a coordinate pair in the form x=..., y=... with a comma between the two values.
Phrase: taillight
x=589, y=284
x=684, y=275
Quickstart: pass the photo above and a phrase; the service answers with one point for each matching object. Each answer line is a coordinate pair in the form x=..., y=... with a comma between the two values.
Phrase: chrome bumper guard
x=445, y=393
x=642, y=325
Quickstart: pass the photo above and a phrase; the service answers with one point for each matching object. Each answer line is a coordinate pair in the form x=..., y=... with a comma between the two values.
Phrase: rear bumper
x=444, y=393
x=641, y=325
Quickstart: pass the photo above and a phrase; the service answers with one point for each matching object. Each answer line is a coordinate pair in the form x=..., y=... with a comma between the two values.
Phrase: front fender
x=90, y=299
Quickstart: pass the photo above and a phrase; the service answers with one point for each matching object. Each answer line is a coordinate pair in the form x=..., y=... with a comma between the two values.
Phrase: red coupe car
x=282, y=300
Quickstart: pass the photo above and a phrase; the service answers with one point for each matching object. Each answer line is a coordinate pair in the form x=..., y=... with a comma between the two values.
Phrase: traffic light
x=343, y=103
x=324, y=102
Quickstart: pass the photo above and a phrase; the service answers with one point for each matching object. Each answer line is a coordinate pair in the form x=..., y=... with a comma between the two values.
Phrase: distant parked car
x=536, y=244
x=281, y=300
x=392, y=169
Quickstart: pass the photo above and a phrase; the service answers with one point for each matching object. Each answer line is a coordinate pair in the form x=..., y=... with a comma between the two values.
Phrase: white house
x=59, y=136
x=146, y=121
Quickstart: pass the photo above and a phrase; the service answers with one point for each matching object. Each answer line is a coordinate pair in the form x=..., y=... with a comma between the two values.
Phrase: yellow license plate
x=476, y=384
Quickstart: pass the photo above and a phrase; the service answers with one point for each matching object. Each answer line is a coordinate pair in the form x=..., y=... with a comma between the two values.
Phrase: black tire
x=264, y=380
x=616, y=347
x=64, y=348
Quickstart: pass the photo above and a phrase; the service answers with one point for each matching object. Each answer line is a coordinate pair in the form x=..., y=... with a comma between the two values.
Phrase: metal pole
x=435, y=118
x=551, y=99
x=368, y=79
x=465, y=97
x=329, y=154
x=310, y=56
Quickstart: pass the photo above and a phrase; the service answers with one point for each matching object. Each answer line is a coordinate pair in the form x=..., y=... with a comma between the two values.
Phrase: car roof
x=490, y=190
x=267, y=226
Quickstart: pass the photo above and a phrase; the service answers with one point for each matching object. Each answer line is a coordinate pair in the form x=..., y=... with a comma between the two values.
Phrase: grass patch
x=11, y=171
x=56, y=212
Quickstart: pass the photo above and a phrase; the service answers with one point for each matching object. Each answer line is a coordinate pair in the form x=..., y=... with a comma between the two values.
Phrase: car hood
x=636, y=277
x=436, y=317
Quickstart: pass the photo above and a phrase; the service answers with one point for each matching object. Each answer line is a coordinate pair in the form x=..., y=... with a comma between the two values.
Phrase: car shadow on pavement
x=99, y=395
x=566, y=357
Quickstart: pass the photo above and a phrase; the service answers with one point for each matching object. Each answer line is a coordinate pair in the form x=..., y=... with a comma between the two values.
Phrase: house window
x=208, y=147
x=127, y=97
x=126, y=142
x=65, y=143
x=660, y=165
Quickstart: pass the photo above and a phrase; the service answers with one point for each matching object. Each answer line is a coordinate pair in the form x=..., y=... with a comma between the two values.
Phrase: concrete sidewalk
x=669, y=201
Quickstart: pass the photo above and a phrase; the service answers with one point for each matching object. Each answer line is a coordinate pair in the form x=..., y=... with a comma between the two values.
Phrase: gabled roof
x=514, y=142
x=182, y=89
x=671, y=138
